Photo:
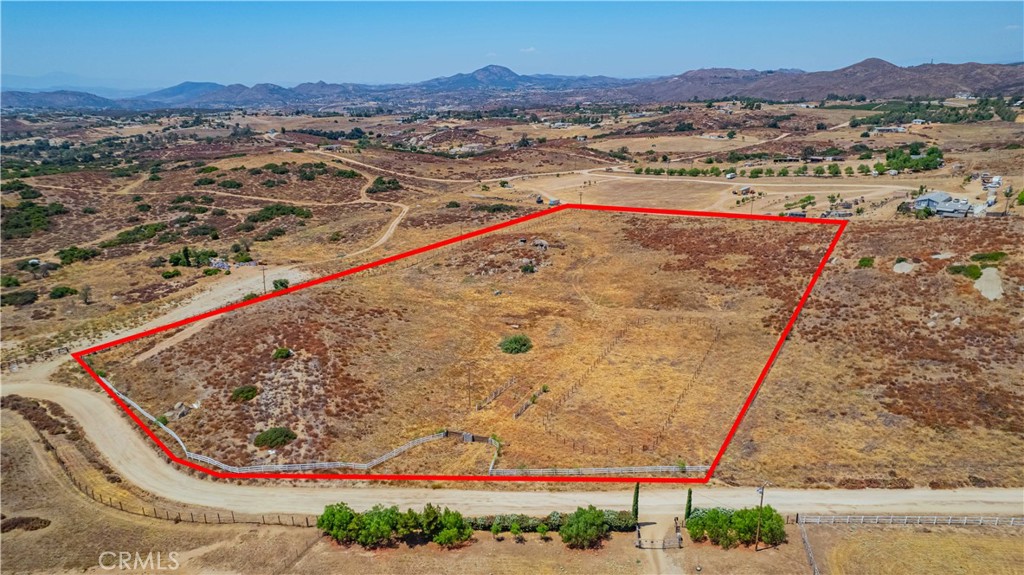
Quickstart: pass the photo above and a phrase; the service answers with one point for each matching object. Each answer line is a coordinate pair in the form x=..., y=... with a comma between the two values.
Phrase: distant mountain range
x=497, y=85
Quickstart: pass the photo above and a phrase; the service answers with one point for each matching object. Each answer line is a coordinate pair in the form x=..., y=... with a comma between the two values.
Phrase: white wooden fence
x=908, y=520
x=291, y=467
x=272, y=468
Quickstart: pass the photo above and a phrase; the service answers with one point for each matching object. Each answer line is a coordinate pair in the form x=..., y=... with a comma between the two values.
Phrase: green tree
x=819, y=171
x=408, y=523
x=454, y=529
x=516, y=531
x=377, y=527
x=864, y=169
x=584, y=529
x=340, y=522
x=848, y=170
x=542, y=530
x=430, y=521
x=496, y=529
x=689, y=504
x=731, y=134
x=636, y=501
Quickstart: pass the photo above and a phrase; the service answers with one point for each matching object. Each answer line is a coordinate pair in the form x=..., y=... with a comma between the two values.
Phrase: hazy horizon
x=144, y=46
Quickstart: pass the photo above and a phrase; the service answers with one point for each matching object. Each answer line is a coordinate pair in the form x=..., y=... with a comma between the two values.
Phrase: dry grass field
x=894, y=379
x=617, y=370
x=877, y=550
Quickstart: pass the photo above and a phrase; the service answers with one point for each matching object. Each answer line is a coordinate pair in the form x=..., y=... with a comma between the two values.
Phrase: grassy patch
x=866, y=263
x=518, y=343
x=988, y=257
x=971, y=271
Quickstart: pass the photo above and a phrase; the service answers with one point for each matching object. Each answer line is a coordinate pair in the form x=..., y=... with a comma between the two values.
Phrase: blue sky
x=147, y=45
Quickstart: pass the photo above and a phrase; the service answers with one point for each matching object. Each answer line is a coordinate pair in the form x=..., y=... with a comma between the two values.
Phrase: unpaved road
x=127, y=451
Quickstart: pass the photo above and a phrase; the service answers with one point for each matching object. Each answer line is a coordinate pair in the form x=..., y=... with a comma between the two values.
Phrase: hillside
x=498, y=85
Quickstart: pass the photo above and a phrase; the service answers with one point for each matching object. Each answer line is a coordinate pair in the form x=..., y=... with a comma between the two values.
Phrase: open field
x=674, y=144
x=371, y=365
x=864, y=550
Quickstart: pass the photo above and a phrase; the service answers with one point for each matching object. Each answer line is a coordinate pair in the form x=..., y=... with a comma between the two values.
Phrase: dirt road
x=126, y=450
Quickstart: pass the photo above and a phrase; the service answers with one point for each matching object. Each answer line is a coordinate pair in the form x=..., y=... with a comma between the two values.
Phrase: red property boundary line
x=79, y=356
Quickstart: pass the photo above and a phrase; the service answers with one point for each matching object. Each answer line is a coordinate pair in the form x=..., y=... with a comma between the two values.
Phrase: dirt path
x=127, y=451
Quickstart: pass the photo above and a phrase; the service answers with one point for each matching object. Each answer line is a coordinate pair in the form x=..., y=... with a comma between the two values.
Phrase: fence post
x=232, y=516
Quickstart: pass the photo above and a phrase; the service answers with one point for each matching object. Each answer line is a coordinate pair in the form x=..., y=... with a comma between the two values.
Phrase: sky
x=154, y=45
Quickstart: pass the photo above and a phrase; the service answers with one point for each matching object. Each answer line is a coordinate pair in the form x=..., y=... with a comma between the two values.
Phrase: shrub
x=249, y=296
x=382, y=184
x=155, y=177
x=76, y=254
x=988, y=257
x=495, y=530
x=26, y=218
x=18, y=298
x=282, y=353
x=866, y=262
x=9, y=281
x=518, y=343
x=211, y=271
x=517, y=532
x=542, y=530
x=274, y=437
x=272, y=211
x=59, y=292
x=584, y=529
x=244, y=393
x=527, y=269
x=270, y=235
x=204, y=182
x=203, y=230
x=135, y=235
x=453, y=204
x=230, y=184
x=494, y=208
x=143, y=207
x=280, y=284
x=971, y=271
x=207, y=170
x=345, y=174
x=168, y=274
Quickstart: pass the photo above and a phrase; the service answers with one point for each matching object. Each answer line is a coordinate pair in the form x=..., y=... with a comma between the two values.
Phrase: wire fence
x=155, y=511
x=908, y=520
x=283, y=467
x=603, y=470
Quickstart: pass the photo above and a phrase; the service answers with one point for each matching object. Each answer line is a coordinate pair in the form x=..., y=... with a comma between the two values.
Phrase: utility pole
x=757, y=537
x=264, y=269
